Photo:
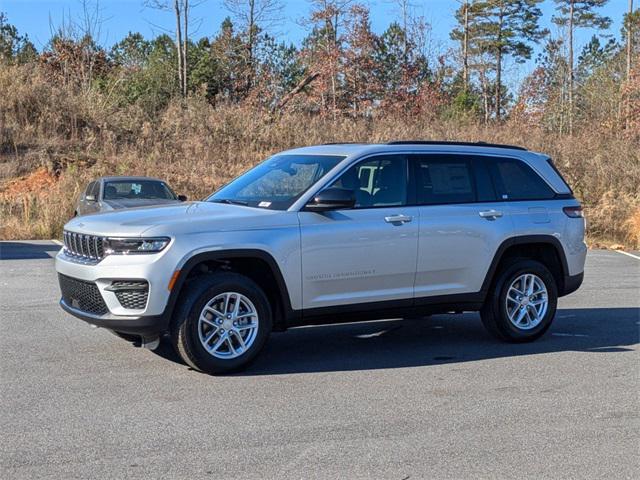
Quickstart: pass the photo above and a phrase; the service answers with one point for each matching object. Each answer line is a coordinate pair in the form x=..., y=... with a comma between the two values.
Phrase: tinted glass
x=89, y=188
x=517, y=181
x=444, y=179
x=485, y=192
x=378, y=182
x=137, y=189
x=278, y=182
x=95, y=189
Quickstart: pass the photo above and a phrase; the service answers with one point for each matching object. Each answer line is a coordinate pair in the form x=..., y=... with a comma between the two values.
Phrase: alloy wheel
x=228, y=325
x=527, y=301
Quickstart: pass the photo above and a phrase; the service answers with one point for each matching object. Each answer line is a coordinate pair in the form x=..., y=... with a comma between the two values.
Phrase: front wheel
x=222, y=323
x=523, y=302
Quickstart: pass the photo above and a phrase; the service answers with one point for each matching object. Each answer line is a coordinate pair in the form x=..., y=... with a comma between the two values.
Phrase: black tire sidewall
x=190, y=346
x=504, y=325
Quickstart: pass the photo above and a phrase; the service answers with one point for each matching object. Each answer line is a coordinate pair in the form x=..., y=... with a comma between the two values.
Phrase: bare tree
x=578, y=14
x=465, y=47
x=76, y=43
x=461, y=34
x=181, y=10
x=629, y=40
x=254, y=16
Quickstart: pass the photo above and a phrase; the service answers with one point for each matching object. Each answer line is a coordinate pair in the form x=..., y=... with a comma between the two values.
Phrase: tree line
x=343, y=68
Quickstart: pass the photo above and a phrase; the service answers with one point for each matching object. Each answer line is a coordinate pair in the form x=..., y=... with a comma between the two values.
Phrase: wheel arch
x=258, y=265
x=546, y=249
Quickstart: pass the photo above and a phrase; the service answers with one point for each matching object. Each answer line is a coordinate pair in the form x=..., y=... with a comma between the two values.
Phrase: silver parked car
x=334, y=233
x=114, y=193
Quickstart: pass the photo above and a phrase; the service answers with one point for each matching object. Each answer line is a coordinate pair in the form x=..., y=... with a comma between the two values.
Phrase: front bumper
x=155, y=269
x=144, y=318
x=142, y=325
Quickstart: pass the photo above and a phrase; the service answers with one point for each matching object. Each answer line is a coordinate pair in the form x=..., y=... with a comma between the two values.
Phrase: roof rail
x=468, y=144
x=344, y=143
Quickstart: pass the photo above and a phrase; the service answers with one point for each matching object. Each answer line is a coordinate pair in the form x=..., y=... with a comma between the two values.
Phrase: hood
x=161, y=220
x=137, y=202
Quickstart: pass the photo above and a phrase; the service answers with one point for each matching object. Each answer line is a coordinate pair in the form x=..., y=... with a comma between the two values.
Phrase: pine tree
x=504, y=28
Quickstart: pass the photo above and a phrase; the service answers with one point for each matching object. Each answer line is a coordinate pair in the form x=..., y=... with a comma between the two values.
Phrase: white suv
x=333, y=233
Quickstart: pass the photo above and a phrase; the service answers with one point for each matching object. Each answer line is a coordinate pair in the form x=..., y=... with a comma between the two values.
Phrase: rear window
x=515, y=180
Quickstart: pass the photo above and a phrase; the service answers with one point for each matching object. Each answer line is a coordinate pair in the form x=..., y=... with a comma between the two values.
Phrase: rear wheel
x=522, y=303
x=222, y=323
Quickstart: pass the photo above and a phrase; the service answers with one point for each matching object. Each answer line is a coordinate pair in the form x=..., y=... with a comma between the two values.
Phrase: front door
x=368, y=253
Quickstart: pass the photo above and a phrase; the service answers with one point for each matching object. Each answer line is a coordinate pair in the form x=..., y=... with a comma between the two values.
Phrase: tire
x=192, y=325
x=536, y=320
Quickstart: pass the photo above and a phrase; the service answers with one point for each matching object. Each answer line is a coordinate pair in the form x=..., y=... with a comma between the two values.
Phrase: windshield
x=137, y=189
x=276, y=183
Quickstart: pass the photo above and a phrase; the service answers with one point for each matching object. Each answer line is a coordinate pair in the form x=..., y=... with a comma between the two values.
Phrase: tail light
x=573, y=212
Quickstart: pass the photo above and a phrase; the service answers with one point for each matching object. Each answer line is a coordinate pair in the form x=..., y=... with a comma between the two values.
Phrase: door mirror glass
x=332, y=199
x=182, y=198
x=90, y=198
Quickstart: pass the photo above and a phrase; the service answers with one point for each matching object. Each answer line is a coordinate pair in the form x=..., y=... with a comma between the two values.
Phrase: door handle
x=490, y=214
x=398, y=219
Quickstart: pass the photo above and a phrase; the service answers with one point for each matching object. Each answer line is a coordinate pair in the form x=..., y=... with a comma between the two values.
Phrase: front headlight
x=129, y=246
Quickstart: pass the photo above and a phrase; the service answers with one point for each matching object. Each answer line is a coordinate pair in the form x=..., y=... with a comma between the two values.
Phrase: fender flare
x=212, y=255
x=523, y=240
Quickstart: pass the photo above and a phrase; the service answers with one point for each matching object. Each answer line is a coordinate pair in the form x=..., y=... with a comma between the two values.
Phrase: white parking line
x=57, y=242
x=628, y=254
x=558, y=334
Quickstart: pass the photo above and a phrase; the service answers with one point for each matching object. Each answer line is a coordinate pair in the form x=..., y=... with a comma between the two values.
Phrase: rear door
x=368, y=253
x=462, y=223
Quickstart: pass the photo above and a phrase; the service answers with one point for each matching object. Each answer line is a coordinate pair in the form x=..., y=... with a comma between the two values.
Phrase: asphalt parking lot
x=421, y=398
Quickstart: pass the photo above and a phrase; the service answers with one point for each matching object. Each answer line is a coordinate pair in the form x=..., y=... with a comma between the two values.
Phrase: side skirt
x=363, y=312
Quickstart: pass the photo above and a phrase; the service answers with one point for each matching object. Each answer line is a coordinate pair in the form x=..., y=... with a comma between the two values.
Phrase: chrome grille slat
x=85, y=247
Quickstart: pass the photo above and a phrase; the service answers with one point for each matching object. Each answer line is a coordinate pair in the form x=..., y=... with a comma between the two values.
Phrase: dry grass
x=197, y=148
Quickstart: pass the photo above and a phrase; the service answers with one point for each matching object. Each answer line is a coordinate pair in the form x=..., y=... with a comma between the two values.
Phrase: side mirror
x=332, y=199
x=90, y=198
x=182, y=198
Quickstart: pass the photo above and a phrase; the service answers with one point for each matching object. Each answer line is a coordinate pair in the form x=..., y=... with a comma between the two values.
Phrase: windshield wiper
x=230, y=201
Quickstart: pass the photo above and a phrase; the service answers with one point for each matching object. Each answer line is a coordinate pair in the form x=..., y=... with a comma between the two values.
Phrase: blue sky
x=37, y=17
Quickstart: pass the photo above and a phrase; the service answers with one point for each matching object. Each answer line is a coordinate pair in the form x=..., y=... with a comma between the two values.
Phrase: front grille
x=131, y=294
x=82, y=295
x=89, y=247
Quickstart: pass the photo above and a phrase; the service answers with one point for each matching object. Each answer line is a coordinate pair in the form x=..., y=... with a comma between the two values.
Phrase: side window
x=444, y=179
x=378, y=182
x=95, y=190
x=485, y=190
x=517, y=181
x=89, y=189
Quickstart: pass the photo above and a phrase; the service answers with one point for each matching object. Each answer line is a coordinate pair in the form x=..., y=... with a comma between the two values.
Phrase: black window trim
x=557, y=196
x=411, y=181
